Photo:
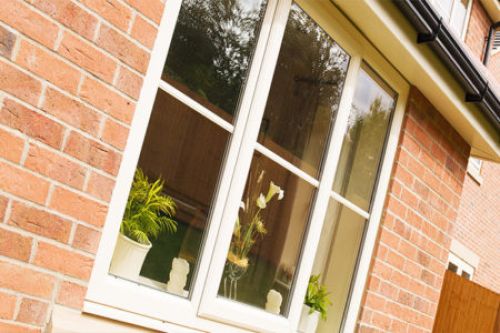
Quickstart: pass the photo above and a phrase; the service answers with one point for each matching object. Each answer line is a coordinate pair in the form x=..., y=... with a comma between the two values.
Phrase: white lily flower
x=281, y=194
x=261, y=176
x=273, y=189
x=261, y=201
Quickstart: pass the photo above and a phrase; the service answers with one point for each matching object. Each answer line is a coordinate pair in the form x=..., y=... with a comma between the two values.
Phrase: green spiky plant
x=149, y=212
x=317, y=297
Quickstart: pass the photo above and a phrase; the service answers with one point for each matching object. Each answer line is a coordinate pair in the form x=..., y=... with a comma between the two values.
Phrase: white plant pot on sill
x=128, y=258
x=308, y=321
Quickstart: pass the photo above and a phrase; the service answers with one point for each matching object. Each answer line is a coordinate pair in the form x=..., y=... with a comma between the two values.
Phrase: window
x=454, y=13
x=474, y=169
x=462, y=260
x=460, y=267
x=496, y=42
x=259, y=154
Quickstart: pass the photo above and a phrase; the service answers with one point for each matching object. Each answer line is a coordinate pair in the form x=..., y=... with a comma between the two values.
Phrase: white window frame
x=464, y=258
x=435, y=4
x=474, y=169
x=138, y=304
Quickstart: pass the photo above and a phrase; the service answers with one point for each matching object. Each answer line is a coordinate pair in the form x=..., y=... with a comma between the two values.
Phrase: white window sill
x=475, y=176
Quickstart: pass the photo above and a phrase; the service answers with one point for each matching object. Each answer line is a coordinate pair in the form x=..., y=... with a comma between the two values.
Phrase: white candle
x=274, y=300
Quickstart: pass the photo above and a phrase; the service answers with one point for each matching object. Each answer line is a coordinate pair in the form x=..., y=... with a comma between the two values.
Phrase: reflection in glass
x=336, y=260
x=305, y=93
x=211, y=50
x=267, y=236
x=364, y=139
x=186, y=151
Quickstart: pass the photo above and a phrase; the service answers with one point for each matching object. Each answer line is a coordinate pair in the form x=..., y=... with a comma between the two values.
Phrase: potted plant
x=316, y=303
x=148, y=213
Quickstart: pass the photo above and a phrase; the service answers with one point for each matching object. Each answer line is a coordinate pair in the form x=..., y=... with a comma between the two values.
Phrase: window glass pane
x=466, y=275
x=211, y=50
x=452, y=267
x=267, y=237
x=457, y=20
x=305, y=93
x=364, y=139
x=336, y=260
x=185, y=151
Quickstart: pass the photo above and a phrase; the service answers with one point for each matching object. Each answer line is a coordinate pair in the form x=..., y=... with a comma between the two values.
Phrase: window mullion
x=211, y=306
x=326, y=181
x=233, y=151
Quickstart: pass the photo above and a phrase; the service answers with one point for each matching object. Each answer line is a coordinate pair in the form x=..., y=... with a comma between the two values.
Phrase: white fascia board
x=389, y=31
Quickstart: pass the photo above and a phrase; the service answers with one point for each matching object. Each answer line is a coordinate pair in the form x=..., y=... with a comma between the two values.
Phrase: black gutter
x=451, y=51
x=491, y=32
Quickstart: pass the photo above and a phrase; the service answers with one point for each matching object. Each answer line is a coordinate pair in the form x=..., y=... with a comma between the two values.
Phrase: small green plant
x=149, y=212
x=317, y=296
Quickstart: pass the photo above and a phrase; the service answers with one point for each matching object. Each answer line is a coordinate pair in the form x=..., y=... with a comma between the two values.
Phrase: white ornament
x=274, y=300
x=178, y=276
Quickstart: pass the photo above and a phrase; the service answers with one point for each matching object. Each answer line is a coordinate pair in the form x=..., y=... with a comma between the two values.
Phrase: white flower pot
x=308, y=321
x=128, y=258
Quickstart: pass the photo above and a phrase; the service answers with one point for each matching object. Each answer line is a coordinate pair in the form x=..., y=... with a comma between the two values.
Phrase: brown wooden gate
x=466, y=307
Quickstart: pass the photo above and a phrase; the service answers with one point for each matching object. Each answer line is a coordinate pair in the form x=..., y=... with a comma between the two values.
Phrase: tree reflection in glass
x=211, y=51
x=305, y=93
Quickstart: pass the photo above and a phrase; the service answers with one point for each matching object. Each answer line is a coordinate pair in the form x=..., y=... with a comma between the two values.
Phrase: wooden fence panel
x=466, y=307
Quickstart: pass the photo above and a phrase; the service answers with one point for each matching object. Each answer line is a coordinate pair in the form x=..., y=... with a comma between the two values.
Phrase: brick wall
x=478, y=222
x=421, y=206
x=477, y=30
x=70, y=75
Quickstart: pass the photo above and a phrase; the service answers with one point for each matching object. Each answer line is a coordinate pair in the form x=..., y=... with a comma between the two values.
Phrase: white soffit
x=389, y=31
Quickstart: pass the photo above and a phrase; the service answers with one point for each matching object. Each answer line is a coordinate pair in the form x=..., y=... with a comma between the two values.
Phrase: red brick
x=48, y=66
x=152, y=9
x=100, y=186
x=78, y=207
x=388, y=290
x=71, y=294
x=3, y=207
x=19, y=16
x=111, y=10
x=87, y=56
x=7, y=42
x=71, y=111
x=86, y=239
x=52, y=165
x=122, y=48
x=19, y=84
x=69, y=14
x=32, y=312
x=31, y=123
x=381, y=321
x=107, y=100
x=375, y=302
x=395, y=260
x=26, y=280
x=40, y=222
x=93, y=153
x=7, y=306
x=63, y=261
x=23, y=184
x=144, y=32
x=16, y=328
x=14, y=245
x=12, y=146
x=115, y=134
x=129, y=82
